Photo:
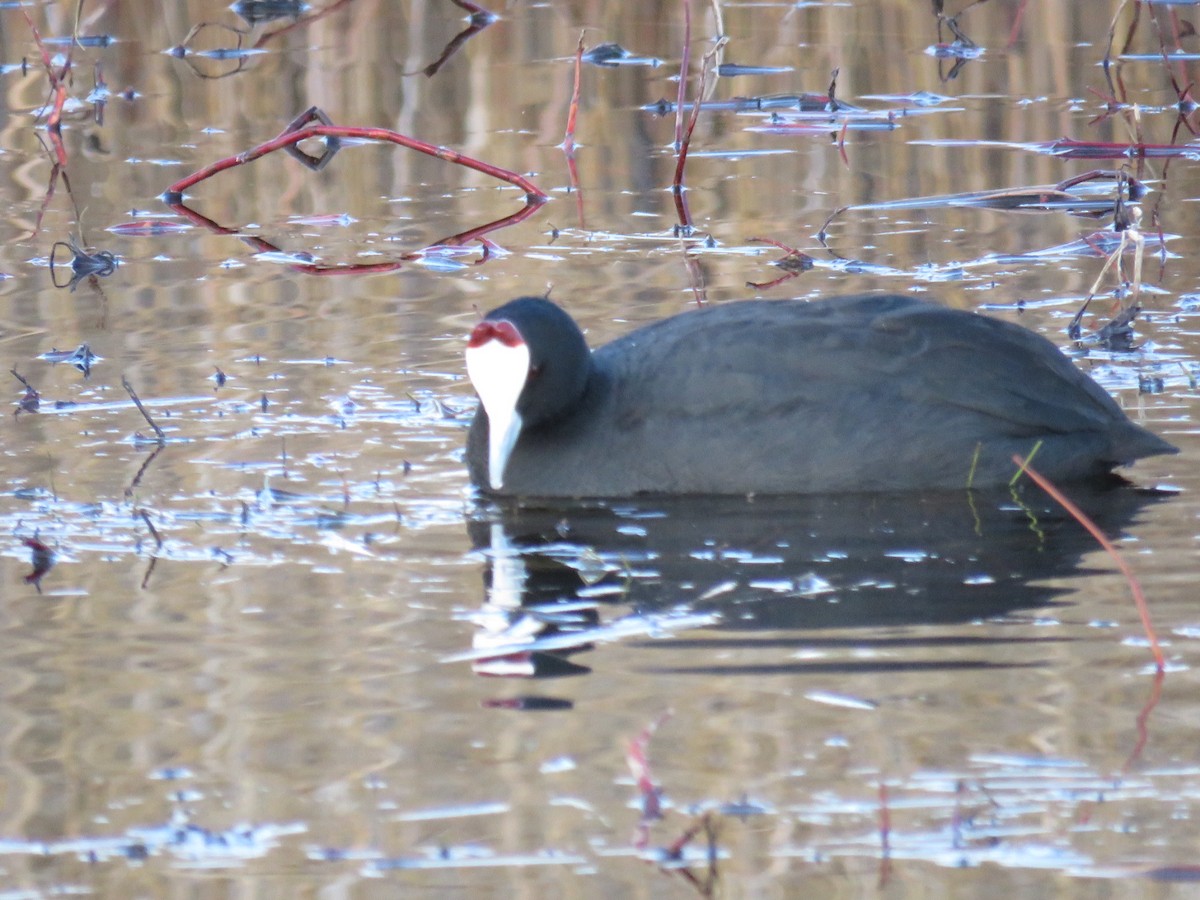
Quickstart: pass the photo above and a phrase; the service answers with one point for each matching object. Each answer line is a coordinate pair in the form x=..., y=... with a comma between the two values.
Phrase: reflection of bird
x=860, y=393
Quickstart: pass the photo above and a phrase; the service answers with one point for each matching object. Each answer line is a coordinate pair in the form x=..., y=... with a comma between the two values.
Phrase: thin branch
x=158, y=432
x=568, y=144
x=299, y=131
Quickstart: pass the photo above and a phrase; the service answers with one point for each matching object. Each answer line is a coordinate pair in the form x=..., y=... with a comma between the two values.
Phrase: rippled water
x=282, y=654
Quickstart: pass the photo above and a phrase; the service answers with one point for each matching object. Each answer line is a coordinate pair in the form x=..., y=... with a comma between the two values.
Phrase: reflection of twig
x=885, y=831
x=137, y=479
x=1135, y=587
x=57, y=170
x=149, y=571
x=480, y=19
x=823, y=234
x=1143, y=721
x=145, y=516
x=473, y=8
x=31, y=400
x=705, y=886
x=43, y=561
x=301, y=23
x=184, y=52
x=162, y=438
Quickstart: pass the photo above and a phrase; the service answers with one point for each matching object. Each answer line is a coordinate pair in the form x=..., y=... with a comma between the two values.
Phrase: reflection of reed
x=482, y=100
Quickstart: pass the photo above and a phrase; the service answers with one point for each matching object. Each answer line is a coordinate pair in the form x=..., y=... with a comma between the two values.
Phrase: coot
x=862, y=393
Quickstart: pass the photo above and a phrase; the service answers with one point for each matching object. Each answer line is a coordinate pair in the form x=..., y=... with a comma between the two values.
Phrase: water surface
x=311, y=685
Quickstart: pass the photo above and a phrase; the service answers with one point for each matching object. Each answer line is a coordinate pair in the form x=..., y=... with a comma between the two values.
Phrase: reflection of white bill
x=657, y=625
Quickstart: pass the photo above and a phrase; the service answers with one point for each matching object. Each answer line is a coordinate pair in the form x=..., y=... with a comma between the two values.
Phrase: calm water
x=300, y=691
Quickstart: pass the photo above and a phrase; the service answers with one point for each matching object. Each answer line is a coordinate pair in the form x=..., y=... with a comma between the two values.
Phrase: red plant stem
x=289, y=138
x=677, y=184
x=790, y=251
x=1135, y=588
x=681, y=209
x=37, y=39
x=58, y=82
x=568, y=143
x=691, y=126
x=54, y=120
x=60, y=154
x=685, y=60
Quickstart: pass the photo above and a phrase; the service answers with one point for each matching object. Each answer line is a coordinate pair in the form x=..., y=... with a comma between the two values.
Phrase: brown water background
x=262, y=706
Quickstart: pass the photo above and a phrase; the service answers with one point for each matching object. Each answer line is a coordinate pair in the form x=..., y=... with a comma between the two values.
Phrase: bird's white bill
x=498, y=372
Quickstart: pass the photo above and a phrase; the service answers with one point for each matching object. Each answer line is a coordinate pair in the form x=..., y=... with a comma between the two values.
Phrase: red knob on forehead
x=500, y=330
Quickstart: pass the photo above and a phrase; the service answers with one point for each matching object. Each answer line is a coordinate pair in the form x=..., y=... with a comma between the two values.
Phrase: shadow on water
x=772, y=573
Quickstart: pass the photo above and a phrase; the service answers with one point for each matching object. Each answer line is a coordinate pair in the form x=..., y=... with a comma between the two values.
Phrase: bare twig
x=687, y=135
x=32, y=399
x=158, y=432
x=302, y=129
x=685, y=60
x=568, y=144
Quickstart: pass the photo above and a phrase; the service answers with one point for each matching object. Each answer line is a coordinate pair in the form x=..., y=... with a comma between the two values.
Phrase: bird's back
x=851, y=394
